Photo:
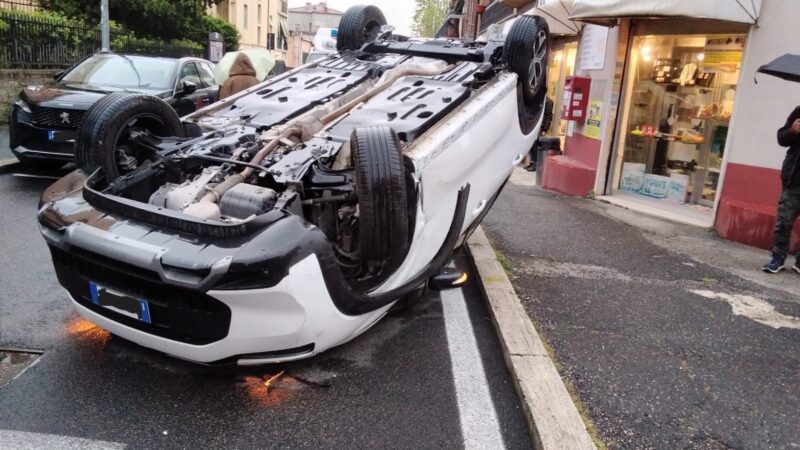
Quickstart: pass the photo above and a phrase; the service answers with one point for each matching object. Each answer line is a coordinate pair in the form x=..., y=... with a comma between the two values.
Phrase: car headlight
x=22, y=105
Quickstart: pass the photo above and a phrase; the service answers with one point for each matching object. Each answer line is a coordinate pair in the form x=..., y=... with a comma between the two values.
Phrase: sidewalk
x=5, y=150
x=668, y=334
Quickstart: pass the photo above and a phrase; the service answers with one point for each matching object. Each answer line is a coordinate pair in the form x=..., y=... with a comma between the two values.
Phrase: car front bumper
x=292, y=320
x=29, y=141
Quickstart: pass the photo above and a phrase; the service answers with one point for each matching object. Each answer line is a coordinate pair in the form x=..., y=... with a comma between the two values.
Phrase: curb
x=552, y=417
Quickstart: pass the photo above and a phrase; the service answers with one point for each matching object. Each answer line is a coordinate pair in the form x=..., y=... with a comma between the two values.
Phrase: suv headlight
x=22, y=105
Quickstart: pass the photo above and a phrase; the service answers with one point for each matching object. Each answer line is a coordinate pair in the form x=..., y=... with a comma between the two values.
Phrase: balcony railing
x=495, y=13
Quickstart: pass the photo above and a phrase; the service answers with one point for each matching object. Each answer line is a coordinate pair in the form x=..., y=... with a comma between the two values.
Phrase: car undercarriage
x=342, y=185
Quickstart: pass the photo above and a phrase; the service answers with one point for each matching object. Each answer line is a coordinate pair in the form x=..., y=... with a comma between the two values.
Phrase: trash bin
x=545, y=147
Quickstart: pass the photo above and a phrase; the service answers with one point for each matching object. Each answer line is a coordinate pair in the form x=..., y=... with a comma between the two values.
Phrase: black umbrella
x=786, y=67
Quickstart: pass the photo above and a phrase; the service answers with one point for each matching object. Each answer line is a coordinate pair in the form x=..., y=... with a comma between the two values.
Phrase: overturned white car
x=288, y=219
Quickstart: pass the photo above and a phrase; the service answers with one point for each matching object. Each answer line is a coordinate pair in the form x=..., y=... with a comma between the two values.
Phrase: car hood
x=74, y=96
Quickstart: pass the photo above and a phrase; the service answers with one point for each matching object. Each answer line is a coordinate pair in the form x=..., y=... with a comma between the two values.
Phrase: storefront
x=679, y=128
x=677, y=103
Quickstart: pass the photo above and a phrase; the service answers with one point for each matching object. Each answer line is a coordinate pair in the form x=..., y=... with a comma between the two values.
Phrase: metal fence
x=44, y=43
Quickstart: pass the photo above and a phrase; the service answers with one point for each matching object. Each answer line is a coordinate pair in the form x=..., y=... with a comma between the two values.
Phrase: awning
x=284, y=28
x=557, y=12
x=599, y=11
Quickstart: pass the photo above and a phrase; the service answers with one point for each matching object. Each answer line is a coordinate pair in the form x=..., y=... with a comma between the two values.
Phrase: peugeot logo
x=64, y=117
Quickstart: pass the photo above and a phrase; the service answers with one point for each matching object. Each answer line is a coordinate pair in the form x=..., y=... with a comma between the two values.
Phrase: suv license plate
x=120, y=303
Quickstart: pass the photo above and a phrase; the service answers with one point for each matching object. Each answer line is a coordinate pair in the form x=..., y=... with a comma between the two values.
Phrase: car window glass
x=124, y=71
x=206, y=74
x=189, y=73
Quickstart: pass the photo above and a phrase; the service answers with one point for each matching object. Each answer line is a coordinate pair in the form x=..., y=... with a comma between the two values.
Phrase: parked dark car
x=45, y=118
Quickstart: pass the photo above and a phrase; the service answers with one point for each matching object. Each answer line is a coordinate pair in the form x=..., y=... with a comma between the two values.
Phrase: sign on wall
x=216, y=47
x=593, y=120
x=723, y=52
x=593, y=47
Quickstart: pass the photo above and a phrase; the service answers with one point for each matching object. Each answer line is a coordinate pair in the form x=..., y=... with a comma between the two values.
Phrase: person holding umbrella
x=242, y=75
x=789, y=202
x=788, y=68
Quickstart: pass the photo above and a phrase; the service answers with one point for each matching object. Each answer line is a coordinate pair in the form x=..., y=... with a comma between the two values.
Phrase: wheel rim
x=371, y=31
x=126, y=158
x=536, y=71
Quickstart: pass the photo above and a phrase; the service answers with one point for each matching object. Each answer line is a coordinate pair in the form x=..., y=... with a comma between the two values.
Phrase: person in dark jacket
x=241, y=76
x=789, y=202
x=547, y=121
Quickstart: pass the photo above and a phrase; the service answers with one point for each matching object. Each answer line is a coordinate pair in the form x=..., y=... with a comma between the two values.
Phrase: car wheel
x=527, y=49
x=359, y=24
x=110, y=123
x=382, y=197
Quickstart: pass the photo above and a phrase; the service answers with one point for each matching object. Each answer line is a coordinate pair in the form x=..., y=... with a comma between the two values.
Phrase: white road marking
x=480, y=428
x=23, y=440
x=753, y=308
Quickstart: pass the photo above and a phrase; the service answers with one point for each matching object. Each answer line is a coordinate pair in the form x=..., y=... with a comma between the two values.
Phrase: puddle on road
x=14, y=362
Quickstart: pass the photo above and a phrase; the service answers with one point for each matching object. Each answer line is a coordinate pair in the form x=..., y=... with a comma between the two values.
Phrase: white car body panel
x=295, y=312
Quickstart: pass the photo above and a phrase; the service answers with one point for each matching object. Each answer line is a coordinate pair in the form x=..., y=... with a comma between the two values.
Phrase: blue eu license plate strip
x=120, y=303
x=51, y=135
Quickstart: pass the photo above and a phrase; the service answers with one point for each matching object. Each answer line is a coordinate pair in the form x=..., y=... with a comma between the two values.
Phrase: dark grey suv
x=44, y=119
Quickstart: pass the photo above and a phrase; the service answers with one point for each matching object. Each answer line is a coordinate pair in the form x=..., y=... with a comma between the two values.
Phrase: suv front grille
x=57, y=117
x=178, y=314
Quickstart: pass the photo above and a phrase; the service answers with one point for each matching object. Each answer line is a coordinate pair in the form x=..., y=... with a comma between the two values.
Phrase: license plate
x=61, y=135
x=120, y=303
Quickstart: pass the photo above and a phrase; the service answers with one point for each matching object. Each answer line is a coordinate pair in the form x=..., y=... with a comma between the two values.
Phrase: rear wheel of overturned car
x=380, y=181
x=104, y=137
x=359, y=24
x=527, y=51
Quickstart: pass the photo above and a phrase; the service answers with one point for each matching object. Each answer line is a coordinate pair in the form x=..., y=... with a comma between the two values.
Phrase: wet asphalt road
x=393, y=387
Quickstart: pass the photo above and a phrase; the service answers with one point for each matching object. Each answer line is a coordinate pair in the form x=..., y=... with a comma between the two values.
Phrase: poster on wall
x=593, y=47
x=593, y=120
x=723, y=53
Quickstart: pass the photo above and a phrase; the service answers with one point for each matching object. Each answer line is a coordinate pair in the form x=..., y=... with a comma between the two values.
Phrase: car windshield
x=123, y=71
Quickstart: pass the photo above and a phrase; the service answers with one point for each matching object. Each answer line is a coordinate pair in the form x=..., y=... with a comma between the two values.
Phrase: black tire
x=359, y=24
x=527, y=51
x=382, y=199
x=108, y=123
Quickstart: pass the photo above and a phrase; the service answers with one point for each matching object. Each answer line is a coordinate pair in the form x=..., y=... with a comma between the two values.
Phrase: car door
x=209, y=84
x=186, y=102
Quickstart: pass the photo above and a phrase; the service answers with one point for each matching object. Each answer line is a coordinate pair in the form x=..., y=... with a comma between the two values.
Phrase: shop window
x=679, y=107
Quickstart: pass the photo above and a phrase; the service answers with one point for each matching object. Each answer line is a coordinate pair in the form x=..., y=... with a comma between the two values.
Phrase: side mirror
x=187, y=88
x=57, y=74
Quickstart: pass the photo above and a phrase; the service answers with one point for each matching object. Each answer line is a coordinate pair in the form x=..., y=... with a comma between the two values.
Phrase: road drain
x=15, y=361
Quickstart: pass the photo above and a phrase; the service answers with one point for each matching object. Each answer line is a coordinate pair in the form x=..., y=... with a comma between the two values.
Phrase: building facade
x=307, y=19
x=261, y=23
x=304, y=21
x=660, y=112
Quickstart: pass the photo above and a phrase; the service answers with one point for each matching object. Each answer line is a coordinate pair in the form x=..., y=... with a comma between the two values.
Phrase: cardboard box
x=632, y=179
x=655, y=186
x=678, y=188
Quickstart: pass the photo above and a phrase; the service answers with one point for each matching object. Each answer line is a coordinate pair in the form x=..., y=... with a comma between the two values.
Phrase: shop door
x=678, y=109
